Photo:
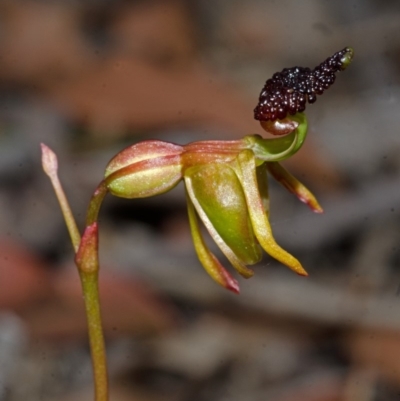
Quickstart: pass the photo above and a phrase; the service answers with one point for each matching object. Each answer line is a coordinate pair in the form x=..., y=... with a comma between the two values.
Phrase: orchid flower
x=226, y=187
x=226, y=181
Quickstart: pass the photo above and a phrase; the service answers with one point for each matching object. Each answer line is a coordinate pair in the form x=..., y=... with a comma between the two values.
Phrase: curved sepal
x=210, y=263
x=294, y=186
x=261, y=226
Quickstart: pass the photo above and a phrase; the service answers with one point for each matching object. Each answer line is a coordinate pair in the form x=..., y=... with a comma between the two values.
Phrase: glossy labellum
x=288, y=91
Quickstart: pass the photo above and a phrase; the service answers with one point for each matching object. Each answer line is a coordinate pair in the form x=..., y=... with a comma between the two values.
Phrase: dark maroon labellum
x=288, y=91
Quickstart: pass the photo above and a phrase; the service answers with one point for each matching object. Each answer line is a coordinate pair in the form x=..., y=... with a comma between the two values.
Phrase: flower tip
x=313, y=205
x=347, y=57
x=49, y=160
x=233, y=286
x=298, y=269
x=305, y=196
x=226, y=280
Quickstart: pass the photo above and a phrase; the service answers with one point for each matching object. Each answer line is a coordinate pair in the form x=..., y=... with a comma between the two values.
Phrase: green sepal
x=218, y=193
x=249, y=176
x=210, y=263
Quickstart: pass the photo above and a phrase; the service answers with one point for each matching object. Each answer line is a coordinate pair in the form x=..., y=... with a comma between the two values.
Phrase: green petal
x=262, y=180
x=218, y=197
x=259, y=218
x=294, y=186
x=206, y=257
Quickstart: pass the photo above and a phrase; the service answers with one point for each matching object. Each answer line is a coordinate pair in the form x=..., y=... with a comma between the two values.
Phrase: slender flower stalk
x=86, y=251
x=226, y=187
x=50, y=167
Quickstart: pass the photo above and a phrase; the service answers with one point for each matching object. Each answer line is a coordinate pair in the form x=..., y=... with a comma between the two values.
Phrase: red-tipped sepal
x=294, y=186
x=210, y=263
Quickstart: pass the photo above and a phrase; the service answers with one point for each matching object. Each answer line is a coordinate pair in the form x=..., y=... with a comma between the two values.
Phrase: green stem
x=95, y=203
x=86, y=251
x=97, y=347
x=87, y=260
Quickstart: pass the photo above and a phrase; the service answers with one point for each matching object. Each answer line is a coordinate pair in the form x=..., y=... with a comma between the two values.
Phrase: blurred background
x=91, y=77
